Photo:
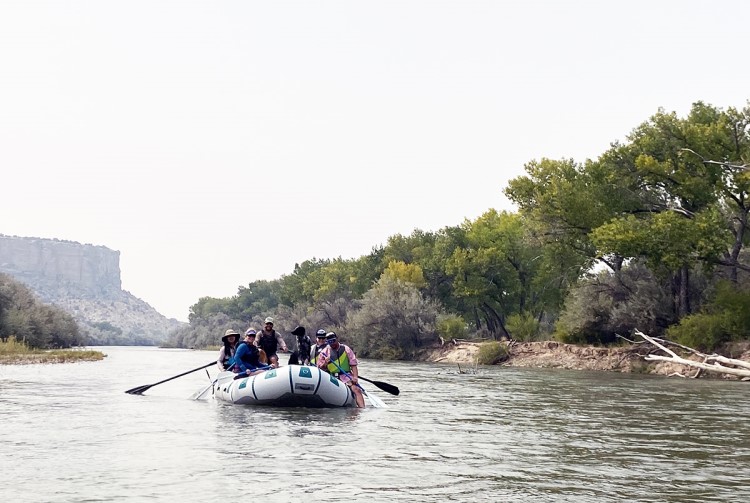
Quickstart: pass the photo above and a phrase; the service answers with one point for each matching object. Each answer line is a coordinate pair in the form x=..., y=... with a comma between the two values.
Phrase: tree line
x=651, y=235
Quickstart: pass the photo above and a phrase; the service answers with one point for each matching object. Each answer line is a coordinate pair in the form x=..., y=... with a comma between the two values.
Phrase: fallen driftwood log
x=713, y=362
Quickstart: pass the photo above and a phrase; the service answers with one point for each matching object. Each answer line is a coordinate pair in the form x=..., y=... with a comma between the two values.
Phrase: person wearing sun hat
x=270, y=341
x=340, y=361
x=227, y=351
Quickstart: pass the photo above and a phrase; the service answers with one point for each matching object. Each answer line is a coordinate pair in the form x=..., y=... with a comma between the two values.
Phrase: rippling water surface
x=68, y=433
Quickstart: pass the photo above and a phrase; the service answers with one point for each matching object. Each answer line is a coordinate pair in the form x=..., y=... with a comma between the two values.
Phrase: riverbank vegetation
x=651, y=235
x=25, y=318
x=13, y=351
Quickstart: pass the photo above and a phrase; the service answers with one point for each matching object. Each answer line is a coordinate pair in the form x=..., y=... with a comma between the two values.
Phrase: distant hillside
x=84, y=280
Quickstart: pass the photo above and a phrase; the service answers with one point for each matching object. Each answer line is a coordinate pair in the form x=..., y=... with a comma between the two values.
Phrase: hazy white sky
x=214, y=143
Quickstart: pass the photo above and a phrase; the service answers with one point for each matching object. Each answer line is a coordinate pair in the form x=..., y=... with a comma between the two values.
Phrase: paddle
x=388, y=388
x=242, y=375
x=140, y=389
x=199, y=395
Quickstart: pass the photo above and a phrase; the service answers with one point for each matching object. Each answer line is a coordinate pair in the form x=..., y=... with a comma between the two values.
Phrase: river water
x=69, y=433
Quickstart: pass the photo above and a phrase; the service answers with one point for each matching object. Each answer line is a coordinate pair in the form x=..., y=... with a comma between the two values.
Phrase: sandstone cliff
x=84, y=280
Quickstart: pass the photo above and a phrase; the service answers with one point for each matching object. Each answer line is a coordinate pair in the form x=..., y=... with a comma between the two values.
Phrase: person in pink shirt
x=339, y=360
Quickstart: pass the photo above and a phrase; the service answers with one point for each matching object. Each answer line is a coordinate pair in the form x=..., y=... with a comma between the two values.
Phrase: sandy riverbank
x=551, y=354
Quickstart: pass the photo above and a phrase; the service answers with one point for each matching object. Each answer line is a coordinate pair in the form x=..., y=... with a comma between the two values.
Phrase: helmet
x=331, y=336
x=320, y=333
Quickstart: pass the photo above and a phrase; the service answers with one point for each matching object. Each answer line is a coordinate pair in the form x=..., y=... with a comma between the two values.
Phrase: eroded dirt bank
x=551, y=354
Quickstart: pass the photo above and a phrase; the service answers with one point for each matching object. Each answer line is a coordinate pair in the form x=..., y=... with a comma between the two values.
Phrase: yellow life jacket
x=341, y=358
x=318, y=350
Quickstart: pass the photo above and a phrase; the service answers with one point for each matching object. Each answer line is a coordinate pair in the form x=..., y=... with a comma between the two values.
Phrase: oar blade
x=198, y=395
x=138, y=389
x=375, y=401
x=388, y=388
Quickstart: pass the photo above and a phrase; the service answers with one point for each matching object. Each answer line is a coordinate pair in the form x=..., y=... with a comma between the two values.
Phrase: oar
x=140, y=389
x=388, y=388
x=199, y=395
x=242, y=375
x=375, y=401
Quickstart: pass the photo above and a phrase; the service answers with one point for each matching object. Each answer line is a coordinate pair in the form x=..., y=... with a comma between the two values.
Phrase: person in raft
x=320, y=344
x=303, y=346
x=229, y=341
x=270, y=341
x=246, y=360
x=339, y=360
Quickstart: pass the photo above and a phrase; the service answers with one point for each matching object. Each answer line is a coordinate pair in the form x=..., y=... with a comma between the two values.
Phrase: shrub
x=451, y=326
x=523, y=326
x=724, y=319
x=394, y=321
x=703, y=332
x=606, y=304
x=491, y=353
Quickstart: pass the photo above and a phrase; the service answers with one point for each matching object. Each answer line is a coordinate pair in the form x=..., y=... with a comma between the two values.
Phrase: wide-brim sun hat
x=298, y=331
x=229, y=333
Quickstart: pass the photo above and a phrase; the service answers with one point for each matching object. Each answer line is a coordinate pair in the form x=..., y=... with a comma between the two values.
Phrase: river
x=69, y=433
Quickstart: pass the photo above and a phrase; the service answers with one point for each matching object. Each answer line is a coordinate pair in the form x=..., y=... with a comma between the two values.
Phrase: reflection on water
x=70, y=433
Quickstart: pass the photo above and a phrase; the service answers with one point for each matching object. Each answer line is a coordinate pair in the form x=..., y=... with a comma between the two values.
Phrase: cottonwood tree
x=503, y=270
x=655, y=198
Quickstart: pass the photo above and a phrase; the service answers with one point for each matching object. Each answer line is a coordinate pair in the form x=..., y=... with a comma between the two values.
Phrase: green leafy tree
x=407, y=273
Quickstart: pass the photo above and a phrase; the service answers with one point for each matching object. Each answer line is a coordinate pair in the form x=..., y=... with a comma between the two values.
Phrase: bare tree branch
x=708, y=360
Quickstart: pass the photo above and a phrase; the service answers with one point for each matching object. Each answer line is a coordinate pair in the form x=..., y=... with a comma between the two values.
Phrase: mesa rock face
x=84, y=280
x=50, y=263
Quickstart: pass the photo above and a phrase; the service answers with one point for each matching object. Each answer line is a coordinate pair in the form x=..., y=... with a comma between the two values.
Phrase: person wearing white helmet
x=270, y=342
x=320, y=344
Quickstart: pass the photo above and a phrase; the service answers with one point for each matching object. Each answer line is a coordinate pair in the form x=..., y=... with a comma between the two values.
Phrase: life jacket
x=318, y=349
x=268, y=342
x=251, y=359
x=341, y=357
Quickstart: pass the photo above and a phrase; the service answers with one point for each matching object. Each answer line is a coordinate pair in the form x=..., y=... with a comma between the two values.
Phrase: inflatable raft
x=287, y=386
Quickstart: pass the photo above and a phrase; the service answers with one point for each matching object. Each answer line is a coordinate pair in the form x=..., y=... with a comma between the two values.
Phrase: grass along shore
x=15, y=352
